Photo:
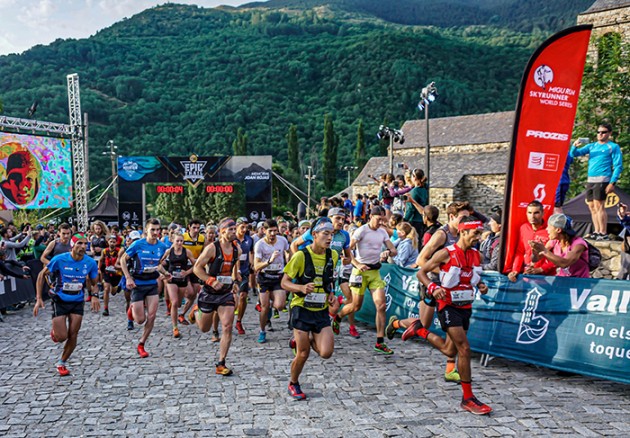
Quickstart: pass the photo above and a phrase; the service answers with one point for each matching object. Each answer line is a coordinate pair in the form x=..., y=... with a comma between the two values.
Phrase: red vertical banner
x=545, y=114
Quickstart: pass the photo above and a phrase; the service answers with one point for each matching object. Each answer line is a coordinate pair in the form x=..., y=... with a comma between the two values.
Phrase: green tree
x=605, y=96
x=239, y=146
x=331, y=143
x=360, y=155
x=293, y=149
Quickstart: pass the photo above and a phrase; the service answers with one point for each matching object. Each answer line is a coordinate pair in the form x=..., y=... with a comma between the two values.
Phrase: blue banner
x=571, y=324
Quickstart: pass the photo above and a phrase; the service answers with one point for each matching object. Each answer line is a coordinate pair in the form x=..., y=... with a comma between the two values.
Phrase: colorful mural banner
x=35, y=172
x=543, y=125
x=572, y=324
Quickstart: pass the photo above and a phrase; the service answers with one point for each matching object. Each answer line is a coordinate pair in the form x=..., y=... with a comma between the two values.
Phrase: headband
x=323, y=225
x=474, y=225
x=226, y=223
x=75, y=238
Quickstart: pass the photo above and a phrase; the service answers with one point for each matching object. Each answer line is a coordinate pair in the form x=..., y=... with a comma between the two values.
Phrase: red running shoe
x=239, y=328
x=129, y=314
x=411, y=330
x=475, y=406
x=258, y=308
x=296, y=392
x=142, y=352
x=354, y=332
x=52, y=336
x=62, y=370
x=182, y=320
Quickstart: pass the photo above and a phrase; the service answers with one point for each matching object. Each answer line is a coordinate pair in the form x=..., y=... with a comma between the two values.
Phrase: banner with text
x=572, y=324
x=543, y=125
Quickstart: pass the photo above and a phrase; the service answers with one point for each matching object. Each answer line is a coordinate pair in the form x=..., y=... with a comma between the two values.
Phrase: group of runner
x=213, y=277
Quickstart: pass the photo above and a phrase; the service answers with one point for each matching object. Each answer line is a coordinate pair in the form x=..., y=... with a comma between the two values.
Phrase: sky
x=26, y=23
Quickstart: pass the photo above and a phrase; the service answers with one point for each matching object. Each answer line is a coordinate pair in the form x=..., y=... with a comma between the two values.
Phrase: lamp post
x=349, y=169
x=394, y=136
x=113, y=155
x=428, y=95
x=309, y=177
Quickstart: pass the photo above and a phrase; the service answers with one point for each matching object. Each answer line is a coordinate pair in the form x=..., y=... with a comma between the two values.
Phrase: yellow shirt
x=195, y=246
x=295, y=269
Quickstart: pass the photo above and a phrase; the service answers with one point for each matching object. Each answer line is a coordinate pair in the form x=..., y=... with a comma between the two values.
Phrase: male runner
x=221, y=281
x=195, y=242
x=69, y=272
x=144, y=255
x=111, y=275
x=57, y=246
x=246, y=260
x=270, y=254
x=368, y=241
x=460, y=269
x=312, y=268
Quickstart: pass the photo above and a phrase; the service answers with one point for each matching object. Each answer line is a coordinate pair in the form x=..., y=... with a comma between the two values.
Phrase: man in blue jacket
x=604, y=169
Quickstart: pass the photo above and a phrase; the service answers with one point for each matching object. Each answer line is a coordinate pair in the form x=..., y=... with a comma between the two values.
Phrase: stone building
x=608, y=17
x=469, y=158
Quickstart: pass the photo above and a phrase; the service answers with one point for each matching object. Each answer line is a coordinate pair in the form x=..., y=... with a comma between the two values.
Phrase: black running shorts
x=209, y=303
x=309, y=320
x=141, y=292
x=452, y=316
x=65, y=308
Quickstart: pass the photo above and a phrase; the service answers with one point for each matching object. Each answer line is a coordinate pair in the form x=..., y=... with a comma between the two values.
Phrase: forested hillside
x=181, y=79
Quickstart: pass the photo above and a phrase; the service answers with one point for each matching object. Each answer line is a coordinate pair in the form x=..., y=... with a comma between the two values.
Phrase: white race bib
x=72, y=287
x=110, y=269
x=243, y=257
x=274, y=267
x=356, y=279
x=177, y=274
x=315, y=300
x=462, y=297
x=149, y=269
x=225, y=280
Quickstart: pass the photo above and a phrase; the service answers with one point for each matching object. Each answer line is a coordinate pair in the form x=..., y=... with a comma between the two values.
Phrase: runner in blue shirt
x=246, y=260
x=144, y=256
x=69, y=272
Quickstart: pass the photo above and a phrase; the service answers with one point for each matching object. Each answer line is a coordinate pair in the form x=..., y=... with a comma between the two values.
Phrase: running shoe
x=335, y=325
x=475, y=406
x=453, y=376
x=106, y=312
x=269, y=327
x=215, y=337
x=142, y=352
x=258, y=307
x=276, y=314
x=62, y=370
x=354, y=332
x=52, y=336
x=129, y=314
x=293, y=346
x=129, y=325
x=192, y=313
x=383, y=349
x=239, y=328
x=296, y=392
x=222, y=370
x=182, y=320
x=411, y=330
x=390, y=331
x=286, y=309
x=602, y=237
x=176, y=333
x=262, y=337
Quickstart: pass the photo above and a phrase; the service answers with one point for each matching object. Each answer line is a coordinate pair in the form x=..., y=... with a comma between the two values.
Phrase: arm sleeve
x=617, y=164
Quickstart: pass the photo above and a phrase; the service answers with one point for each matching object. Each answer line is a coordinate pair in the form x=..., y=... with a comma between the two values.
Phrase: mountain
x=180, y=79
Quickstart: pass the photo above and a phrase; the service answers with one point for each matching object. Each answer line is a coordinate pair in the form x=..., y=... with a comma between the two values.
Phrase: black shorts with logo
x=269, y=283
x=451, y=316
x=244, y=285
x=65, y=308
x=112, y=279
x=596, y=191
x=309, y=320
x=141, y=292
x=210, y=302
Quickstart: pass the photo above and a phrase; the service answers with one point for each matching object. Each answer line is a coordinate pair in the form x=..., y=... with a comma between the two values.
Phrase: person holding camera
x=415, y=201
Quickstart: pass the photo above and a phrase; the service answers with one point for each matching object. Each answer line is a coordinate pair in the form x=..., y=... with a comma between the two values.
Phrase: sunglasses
x=603, y=132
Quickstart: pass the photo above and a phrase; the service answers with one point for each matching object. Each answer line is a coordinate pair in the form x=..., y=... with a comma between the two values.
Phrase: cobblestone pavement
x=356, y=393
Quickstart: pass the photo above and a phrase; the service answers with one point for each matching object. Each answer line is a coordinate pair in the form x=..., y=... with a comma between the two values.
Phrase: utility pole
x=349, y=169
x=114, y=158
x=309, y=177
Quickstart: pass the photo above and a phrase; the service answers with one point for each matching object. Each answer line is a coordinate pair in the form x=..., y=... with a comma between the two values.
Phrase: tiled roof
x=446, y=169
x=459, y=130
x=605, y=5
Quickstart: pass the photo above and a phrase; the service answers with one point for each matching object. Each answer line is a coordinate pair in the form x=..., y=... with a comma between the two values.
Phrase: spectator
x=11, y=243
x=624, y=217
x=564, y=251
x=417, y=198
x=533, y=229
x=604, y=169
x=490, y=247
x=431, y=222
x=407, y=245
x=563, y=186
x=347, y=203
x=358, y=214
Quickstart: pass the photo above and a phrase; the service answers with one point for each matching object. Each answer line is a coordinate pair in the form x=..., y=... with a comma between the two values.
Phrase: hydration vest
x=309, y=274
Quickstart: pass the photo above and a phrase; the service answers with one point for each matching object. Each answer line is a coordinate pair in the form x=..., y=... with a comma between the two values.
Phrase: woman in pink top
x=564, y=249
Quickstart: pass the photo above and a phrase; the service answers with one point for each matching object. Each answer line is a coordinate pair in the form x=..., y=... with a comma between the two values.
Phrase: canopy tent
x=577, y=209
x=106, y=210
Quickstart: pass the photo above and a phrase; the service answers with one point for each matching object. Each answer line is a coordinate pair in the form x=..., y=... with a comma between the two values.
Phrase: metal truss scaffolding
x=78, y=152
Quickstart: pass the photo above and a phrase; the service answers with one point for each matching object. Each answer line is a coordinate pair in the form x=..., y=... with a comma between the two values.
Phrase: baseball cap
x=304, y=223
x=336, y=211
x=260, y=225
x=562, y=221
x=135, y=235
x=39, y=227
x=242, y=220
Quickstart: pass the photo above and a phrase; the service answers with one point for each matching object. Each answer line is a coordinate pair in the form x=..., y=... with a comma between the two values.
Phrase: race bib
x=225, y=280
x=356, y=280
x=110, y=269
x=462, y=297
x=243, y=257
x=149, y=269
x=315, y=300
x=72, y=287
x=274, y=267
x=177, y=274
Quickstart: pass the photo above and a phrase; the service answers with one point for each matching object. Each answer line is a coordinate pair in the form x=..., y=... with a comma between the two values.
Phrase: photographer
x=12, y=243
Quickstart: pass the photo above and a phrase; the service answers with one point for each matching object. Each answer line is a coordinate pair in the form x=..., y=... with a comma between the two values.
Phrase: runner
x=177, y=260
x=218, y=268
x=270, y=254
x=69, y=272
x=132, y=237
x=144, y=255
x=368, y=241
x=460, y=269
x=111, y=275
x=57, y=246
x=195, y=242
x=445, y=236
x=312, y=269
x=246, y=260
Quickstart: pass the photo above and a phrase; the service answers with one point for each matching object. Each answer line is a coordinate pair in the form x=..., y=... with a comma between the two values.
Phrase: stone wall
x=482, y=191
x=614, y=20
x=458, y=149
x=611, y=259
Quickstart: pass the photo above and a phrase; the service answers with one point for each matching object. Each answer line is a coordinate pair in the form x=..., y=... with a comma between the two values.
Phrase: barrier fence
x=571, y=324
